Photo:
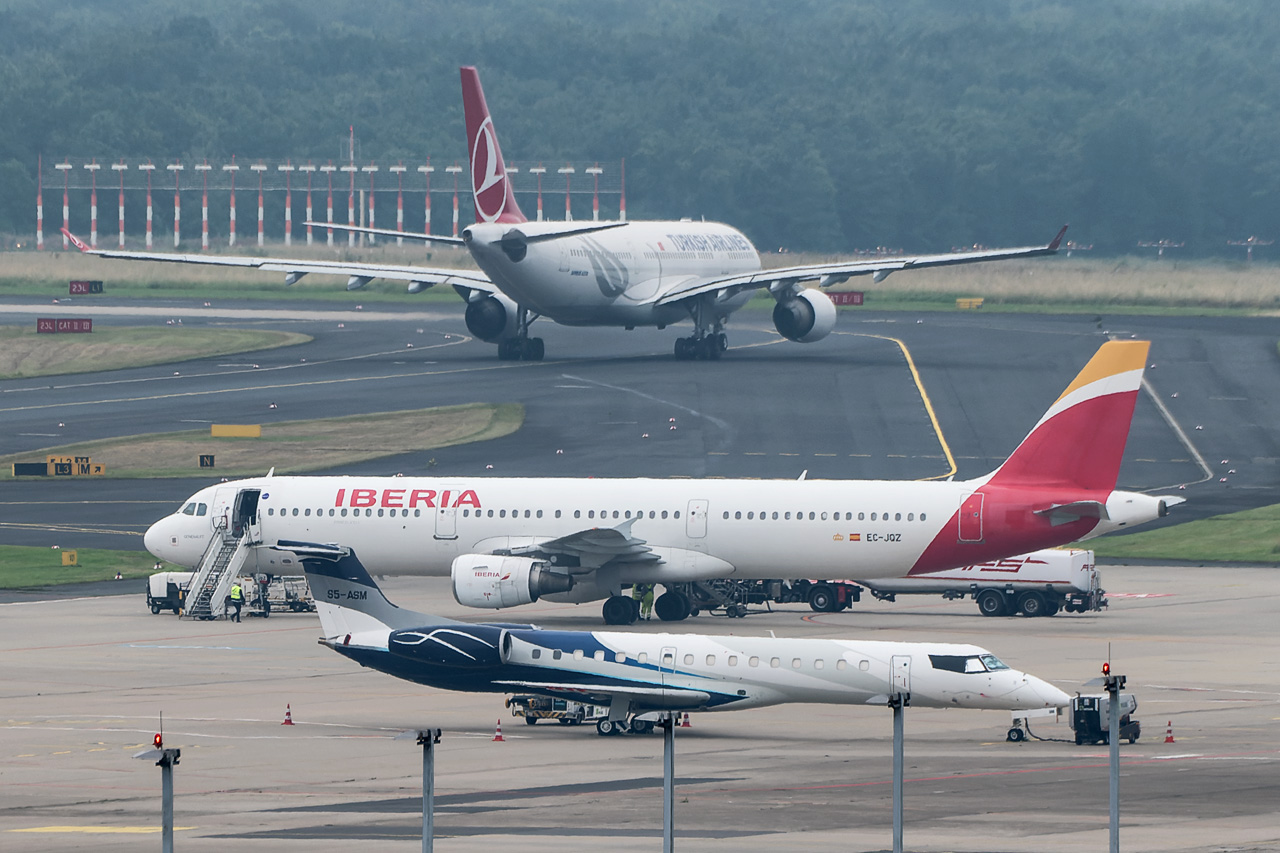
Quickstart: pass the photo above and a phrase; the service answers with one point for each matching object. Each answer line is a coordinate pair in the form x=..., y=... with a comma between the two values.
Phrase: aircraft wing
x=840, y=271
x=668, y=698
x=596, y=546
x=358, y=274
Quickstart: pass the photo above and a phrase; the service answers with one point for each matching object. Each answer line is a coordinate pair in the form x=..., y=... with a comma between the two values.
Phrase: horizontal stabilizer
x=1067, y=513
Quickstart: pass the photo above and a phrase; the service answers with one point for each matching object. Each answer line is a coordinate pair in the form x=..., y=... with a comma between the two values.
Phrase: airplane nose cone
x=155, y=539
x=1049, y=696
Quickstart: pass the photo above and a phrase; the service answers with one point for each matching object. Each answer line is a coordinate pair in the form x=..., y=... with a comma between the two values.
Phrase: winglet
x=75, y=241
x=1057, y=241
x=494, y=199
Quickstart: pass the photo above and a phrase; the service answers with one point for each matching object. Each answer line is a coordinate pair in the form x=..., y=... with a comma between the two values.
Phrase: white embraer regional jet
x=510, y=541
x=637, y=673
x=621, y=273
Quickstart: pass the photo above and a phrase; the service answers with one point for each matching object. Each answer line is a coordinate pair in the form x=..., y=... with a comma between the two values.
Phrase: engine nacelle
x=493, y=318
x=494, y=581
x=1129, y=509
x=458, y=646
x=806, y=317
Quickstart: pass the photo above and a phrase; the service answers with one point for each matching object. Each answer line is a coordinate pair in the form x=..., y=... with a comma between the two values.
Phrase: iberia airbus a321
x=623, y=274
x=510, y=541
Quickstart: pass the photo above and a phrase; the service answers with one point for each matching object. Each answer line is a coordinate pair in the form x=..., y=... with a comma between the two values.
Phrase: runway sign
x=85, y=287
x=236, y=430
x=846, y=297
x=73, y=466
x=69, y=558
x=206, y=460
x=55, y=325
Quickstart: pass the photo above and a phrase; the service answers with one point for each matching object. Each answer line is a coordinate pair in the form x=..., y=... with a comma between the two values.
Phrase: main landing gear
x=708, y=347
x=671, y=606
x=522, y=347
x=708, y=341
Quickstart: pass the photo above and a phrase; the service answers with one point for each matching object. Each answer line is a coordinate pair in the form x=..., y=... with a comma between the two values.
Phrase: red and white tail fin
x=1080, y=441
x=494, y=198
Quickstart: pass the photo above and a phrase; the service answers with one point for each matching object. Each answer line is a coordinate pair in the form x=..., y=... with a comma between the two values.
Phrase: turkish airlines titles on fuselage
x=756, y=528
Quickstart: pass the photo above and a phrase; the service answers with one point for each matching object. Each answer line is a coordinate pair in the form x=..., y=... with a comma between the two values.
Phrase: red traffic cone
x=1168, y=733
x=288, y=715
x=685, y=723
x=497, y=733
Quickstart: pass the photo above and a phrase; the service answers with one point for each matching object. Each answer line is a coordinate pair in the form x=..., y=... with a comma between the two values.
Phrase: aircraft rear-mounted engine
x=494, y=582
x=493, y=318
x=806, y=317
x=461, y=646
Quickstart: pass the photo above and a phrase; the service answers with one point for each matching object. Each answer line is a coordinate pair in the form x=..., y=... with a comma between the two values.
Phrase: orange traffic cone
x=288, y=715
x=1168, y=733
x=685, y=723
x=497, y=733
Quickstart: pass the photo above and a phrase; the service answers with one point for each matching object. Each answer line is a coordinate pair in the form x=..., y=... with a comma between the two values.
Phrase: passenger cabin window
x=620, y=657
x=577, y=654
x=842, y=664
x=557, y=654
x=775, y=662
x=753, y=661
x=599, y=655
x=818, y=664
x=711, y=660
x=536, y=653
x=733, y=660
x=643, y=657
x=688, y=660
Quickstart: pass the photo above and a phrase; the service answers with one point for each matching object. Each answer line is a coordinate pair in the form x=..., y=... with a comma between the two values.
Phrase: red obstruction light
x=1106, y=670
x=158, y=741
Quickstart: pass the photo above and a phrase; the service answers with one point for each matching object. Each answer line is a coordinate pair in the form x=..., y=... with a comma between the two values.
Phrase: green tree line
x=810, y=124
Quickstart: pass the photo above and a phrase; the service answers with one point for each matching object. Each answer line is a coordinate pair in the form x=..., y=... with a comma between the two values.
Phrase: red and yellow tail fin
x=1080, y=441
x=495, y=201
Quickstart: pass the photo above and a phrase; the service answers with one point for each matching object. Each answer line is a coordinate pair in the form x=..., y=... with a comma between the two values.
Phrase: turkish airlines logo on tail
x=488, y=175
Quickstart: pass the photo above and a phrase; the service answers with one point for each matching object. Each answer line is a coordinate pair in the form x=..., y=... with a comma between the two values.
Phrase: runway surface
x=86, y=681
x=846, y=407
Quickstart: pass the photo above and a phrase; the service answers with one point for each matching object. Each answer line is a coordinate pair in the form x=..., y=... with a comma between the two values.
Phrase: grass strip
x=1250, y=536
x=25, y=354
x=291, y=447
x=24, y=567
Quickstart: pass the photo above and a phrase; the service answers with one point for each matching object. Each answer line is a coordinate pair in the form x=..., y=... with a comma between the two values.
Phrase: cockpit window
x=967, y=663
x=994, y=663
x=202, y=509
x=189, y=509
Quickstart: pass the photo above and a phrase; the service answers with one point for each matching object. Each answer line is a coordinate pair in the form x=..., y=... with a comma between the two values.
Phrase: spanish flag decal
x=855, y=537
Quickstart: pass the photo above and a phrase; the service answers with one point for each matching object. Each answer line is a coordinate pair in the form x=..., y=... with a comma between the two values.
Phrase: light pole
x=426, y=171
x=427, y=739
x=166, y=760
x=148, y=167
x=398, y=170
x=539, y=170
x=176, y=168
x=93, y=168
x=454, y=170
x=594, y=172
x=203, y=169
x=120, y=168
x=65, y=168
x=288, y=168
x=259, y=168
x=567, y=170
x=310, y=169
x=231, y=169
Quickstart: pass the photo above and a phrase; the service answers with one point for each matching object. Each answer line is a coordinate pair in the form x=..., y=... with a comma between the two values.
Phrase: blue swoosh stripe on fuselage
x=483, y=681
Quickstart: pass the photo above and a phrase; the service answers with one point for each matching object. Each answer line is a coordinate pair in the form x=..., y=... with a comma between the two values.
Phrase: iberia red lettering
x=444, y=497
x=338, y=500
x=393, y=497
x=426, y=497
x=364, y=497
x=468, y=498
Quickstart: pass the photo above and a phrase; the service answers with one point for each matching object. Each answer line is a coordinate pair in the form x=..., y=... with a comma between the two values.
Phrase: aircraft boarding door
x=971, y=518
x=900, y=672
x=246, y=514
x=696, y=519
x=667, y=665
x=447, y=514
x=223, y=505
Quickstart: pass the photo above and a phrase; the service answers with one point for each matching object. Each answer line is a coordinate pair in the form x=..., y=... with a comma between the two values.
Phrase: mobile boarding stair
x=219, y=567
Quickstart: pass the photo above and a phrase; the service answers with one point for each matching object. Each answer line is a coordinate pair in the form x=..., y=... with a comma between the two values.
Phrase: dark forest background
x=823, y=125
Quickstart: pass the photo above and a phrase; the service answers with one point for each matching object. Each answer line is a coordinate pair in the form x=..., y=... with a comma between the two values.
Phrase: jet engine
x=494, y=581
x=806, y=317
x=460, y=646
x=492, y=318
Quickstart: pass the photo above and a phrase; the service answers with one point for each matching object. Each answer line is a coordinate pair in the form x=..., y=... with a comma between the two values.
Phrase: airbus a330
x=623, y=274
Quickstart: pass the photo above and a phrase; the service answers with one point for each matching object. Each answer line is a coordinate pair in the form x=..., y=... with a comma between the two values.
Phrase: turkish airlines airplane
x=624, y=274
x=510, y=541
x=637, y=673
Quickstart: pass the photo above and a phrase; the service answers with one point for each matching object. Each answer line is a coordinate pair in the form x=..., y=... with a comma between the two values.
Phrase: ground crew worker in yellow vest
x=237, y=600
x=643, y=593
